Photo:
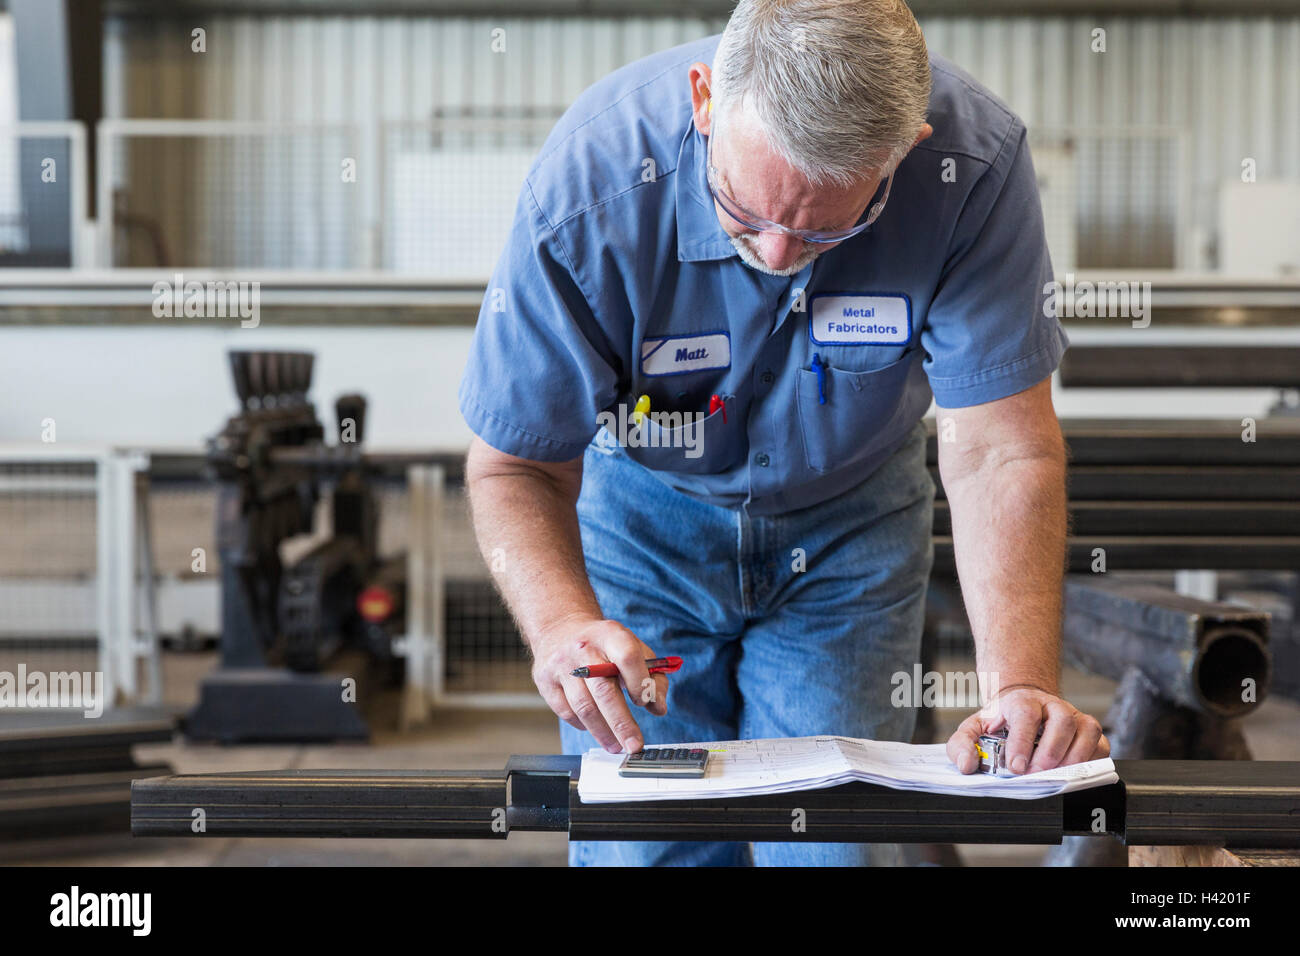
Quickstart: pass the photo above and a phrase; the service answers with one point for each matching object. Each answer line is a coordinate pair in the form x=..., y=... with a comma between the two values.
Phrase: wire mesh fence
x=450, y=187
x=482, y=652
x=222, y=195
x=48, y=567
x=1112, y=198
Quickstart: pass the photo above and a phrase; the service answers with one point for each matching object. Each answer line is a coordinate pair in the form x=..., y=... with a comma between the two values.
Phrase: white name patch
x=691, y=353
x=861, y=320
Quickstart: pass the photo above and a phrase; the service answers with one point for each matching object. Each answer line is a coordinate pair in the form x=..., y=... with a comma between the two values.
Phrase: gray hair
x=840, y=87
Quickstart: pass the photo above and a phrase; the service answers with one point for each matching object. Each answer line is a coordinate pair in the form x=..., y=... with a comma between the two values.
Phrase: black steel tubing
x=324, y=803
x=851, y=813
x=449, y=804
x=1198, y=654
x=1230, y=803
x=1170, y=518
x=1212, y=483
x=1181, y=366
x=1164, y=553
x=1190, y=442
x=1172, y=802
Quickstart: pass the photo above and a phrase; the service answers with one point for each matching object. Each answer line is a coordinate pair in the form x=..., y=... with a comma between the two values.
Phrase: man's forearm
x=526, y=518
x=526, y=523
x=1009, y=530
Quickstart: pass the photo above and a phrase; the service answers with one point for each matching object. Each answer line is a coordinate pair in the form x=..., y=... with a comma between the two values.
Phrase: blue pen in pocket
x=820, y=371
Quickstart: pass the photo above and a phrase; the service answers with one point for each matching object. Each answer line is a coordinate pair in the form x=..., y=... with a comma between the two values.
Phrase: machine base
x=263, y=705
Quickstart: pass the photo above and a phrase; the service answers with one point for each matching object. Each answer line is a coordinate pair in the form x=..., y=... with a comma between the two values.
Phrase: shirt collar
x=700, y=237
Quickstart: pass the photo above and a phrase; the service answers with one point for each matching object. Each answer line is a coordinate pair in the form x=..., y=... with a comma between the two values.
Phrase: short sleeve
x=991, y=330
x=540, y=369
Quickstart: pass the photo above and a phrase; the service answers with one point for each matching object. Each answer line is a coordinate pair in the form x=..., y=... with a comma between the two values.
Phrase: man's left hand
x=1069, y=735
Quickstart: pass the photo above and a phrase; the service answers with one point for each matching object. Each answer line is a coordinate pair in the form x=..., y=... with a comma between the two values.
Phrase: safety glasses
x=758, y=224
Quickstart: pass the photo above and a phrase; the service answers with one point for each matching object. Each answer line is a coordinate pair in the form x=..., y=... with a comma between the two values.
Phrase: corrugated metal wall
x=1207, y=92
x=391, y=68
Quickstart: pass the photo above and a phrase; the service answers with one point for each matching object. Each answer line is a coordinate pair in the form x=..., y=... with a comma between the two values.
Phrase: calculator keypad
x=665, y=762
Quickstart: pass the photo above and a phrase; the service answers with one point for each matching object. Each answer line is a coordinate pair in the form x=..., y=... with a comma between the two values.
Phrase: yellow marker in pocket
x=641, y=410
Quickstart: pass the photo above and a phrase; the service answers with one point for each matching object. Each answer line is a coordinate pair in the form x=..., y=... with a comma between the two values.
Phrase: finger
x=1087, y=737
x=588, y=712
x=553, y=694
x=653, y=694
x=1103, y=749
x=961, y=745
x=1023, y=719
x=1059, y=733
x=659, y=706
x=991, y=717
x=630, y=655
x=608, y=695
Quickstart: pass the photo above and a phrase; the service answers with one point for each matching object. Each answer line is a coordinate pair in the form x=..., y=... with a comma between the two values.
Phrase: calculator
x=665, y=762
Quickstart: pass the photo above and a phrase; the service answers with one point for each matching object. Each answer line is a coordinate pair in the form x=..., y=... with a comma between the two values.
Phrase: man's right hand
x=597, y=704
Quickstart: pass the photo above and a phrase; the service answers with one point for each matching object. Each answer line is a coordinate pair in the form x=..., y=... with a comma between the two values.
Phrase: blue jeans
x=789, y=625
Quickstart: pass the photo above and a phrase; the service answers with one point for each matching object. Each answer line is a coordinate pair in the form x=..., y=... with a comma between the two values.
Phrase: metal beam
x=851, y=813
x=1196, y=654
x=1183, y=366
x=680, y=8
x=449, y=804
x=1218, y=483
x=1229, y=803
x=1262, y=311
x=1237, y=519
x=1163, y=553
x=1187, y=443
x=1222, y=803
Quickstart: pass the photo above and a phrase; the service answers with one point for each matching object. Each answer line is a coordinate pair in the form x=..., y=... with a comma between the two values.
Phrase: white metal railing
x=426, y=642
x=122, y=612
x=11, y=198
x=423, y=642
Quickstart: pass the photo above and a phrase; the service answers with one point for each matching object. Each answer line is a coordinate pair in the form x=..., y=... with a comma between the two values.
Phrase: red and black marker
x=656, y=665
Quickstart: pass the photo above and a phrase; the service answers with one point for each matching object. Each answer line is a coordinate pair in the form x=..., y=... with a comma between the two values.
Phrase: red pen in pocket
x=656, y=665
x=716, y=403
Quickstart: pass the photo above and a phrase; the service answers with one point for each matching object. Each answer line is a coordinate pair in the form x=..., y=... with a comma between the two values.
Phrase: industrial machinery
x=283, y=620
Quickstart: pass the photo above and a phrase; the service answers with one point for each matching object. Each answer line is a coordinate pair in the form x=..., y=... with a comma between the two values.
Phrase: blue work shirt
x=618, y=281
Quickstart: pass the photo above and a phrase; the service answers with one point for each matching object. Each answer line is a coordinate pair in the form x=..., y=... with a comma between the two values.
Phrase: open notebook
x=781, y=765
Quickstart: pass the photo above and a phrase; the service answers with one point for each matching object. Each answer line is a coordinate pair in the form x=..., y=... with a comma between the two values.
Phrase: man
x=814, y=221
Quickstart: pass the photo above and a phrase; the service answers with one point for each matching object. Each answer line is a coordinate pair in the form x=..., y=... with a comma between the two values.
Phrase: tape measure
x=992, y=749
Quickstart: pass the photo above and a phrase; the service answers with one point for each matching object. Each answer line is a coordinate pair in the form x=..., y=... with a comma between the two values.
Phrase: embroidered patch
x=689, y=353
x=842, y=319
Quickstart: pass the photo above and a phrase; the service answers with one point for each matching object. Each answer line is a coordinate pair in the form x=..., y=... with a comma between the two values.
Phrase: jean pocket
x=706, y=445
x=853, y=419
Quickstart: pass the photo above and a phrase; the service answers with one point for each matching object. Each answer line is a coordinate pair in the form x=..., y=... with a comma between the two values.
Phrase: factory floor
x=464, y=739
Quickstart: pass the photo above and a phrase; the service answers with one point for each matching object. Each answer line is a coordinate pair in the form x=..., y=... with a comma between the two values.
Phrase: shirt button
x=762, y=460
x=767, y=377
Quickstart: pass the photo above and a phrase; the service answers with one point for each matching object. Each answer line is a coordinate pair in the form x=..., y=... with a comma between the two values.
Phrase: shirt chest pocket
x=705, y=443
x=860, y=358
x=843, y=414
